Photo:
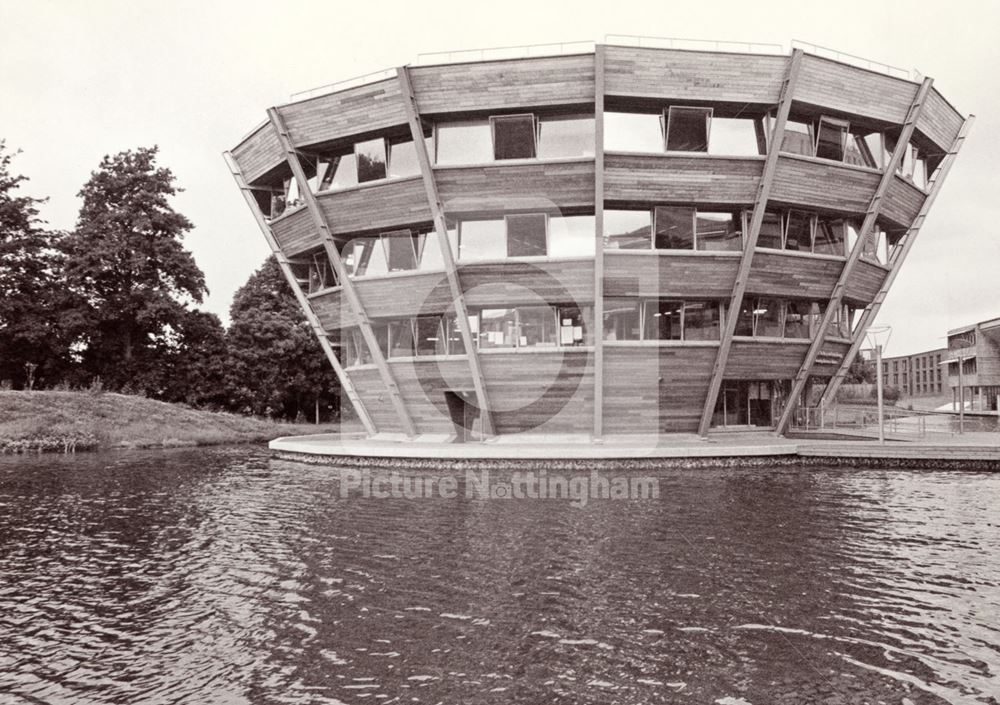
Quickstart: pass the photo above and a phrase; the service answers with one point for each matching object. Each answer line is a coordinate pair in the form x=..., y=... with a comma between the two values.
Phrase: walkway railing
x=522, y=51
x=854, y=60
x=638, y=40
x=900, y=423
x=361, y=80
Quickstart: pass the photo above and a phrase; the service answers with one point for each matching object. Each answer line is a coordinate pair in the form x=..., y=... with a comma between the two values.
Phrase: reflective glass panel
x=429, y=336
x=744, y=321
x=674, y=228
x=466, y=142
x=573, y=328
x=701, y=320
x=482, y=239
x=830, y=139
x=497, y=328
x=735, y=136
x=770, y=231
x=829, y=237
x=403, y=159
x=797, y=138
x=799, y=231
x=663, y=320
x=381, y=331
x=767, y=318
x=401, y=248
x=430, y=251
x=797, y=319
x=565, y=137
x=453, y=336
x=687, y=129
x=633, y=132
x=526, y=235
x=627, y=230
x=514, y=137
x=621, y=319
x=401, y=338
x=537, y=326
x=371, y=160
x=719, y=231
x=571, y=236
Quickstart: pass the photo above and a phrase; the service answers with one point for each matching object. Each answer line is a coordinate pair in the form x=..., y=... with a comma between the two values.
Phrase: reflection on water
x=224, y=576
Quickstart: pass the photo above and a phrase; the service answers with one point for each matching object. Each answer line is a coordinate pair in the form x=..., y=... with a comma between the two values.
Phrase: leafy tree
x=30, y=336
x=276, y=365
x=131, y=275
x=861, y=371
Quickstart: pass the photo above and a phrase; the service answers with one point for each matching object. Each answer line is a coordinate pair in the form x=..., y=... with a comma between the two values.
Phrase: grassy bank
x=68, y=421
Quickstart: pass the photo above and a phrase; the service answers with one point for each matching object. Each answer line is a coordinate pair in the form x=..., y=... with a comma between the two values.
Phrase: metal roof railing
x=694, y=44
x=361, y=80
x=854, y=60
x=508, y=52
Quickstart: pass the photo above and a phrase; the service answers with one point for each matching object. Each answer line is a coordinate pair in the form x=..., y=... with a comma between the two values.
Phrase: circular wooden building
x=624, y=241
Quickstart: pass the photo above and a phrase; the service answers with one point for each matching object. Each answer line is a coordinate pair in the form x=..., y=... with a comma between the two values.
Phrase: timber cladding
x=646, y=385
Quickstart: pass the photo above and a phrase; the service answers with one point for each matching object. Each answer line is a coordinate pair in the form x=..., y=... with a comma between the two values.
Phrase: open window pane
x=514, y=137
x=767, y=318
x=627, y=230
x=687, y=129
x=537, y=326
x=859, y=153
x=381, y=332
x=797, y=138
x=320, y=273
x=733, y=136
x=799, y=231
x=565, y=137
x=571, y=236
x=429, y=336
x=401, y=248
x=403, y=159
x=719, y=231
x=701, y=320
x=663, y=320
x=465, y=142
x=798, y=318
x=482, y=239
x=770, y=231
x=401, y=338
x=371, y=160
x=361, y=253
x=430, y=251
x=674, y=228
x=345, y=172
x=497, y=328
x=829, y=237
x=831, y=138
x=621, y=319
x=526, y=235
x=633, y=132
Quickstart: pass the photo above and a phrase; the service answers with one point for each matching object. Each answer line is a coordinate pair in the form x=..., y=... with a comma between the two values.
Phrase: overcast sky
x=85, y=79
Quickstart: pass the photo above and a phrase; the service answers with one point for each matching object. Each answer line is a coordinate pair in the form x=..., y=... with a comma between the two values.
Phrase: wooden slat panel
x=776, y=274
x=849, y=89
x=829, y=358
x=499, y=85
x=332, y=310
x=694, y=75
x=540, y=392
x=504, y=187
x=369, y=108
x=902, y=201
x=258, y=154
x=817, y=184
x=423, y=384
x=703, y=275
x=864, y=282
x=514, y=283
x=404, y=295
x=763, y=360
x=655, y=389
x=377, y=402
x=680, y=179
x=295, y=232
x=381, y=206
x=938, y=121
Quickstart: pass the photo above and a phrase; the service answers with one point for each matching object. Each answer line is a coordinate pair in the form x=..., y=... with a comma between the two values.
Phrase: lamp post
x=873, y=335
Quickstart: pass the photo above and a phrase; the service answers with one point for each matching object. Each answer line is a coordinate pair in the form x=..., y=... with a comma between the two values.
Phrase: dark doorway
x=463, y=412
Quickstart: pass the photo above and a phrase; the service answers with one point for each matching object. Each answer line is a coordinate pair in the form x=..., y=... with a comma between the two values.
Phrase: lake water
x=226, y=576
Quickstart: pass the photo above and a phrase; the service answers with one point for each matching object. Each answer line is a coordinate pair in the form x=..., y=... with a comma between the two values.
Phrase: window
x=572, y=327
x=798, y=231
x=371, y=160
x=663, y=320
x=701, y=320
x=497, y=328
x=687, y=129
x=452, y=334
x=571, y=236
x=859, y=153
x=354, y=348
x=464, y=142
x=365, y=256
x=401, y=338
x=536, y=326
x=526, y=235
x=718, y=231
x=674, y=228
x=760, y=318
x=321, y=274
x=402, y=250
x=482, y=239
x=734, y=137
x=621, y=319
x=565, y=137
x=430, y=339
x=831, y=139
x=829, y=237
x=801, y=318
x=627, y=230
x=770, y=231
x=513, y=137
x=633, y=132
x=403, y=159
x=797, y=138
